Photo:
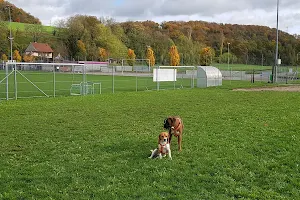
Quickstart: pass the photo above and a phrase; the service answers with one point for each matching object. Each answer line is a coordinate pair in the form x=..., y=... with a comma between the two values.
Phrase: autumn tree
x=17, y=56
x=131, y=56
x=222, y=39
x=4, y=57
x=206, y=56
x=115, y=47
x=103, y=54
x=228, y=56
x=174, y=56
x=81, y=49
x=28, y=58
x=16, y=14
x=150, y=56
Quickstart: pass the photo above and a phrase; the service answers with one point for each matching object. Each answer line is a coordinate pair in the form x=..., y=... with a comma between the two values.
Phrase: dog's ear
x=166, y=123
x=158, y=139
x=169, y=120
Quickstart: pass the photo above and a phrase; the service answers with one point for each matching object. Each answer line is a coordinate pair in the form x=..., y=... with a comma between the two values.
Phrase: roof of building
x=41, y=47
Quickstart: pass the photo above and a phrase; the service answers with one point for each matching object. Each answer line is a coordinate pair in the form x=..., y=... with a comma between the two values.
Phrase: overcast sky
x=257, y=12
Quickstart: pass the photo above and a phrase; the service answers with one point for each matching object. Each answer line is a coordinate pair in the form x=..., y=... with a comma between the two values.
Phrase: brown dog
x=175, y=126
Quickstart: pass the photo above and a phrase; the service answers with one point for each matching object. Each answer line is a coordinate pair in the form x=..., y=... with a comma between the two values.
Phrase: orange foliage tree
x=4, y=57
x=131, y=57
x=17, y=56
x=206, y=56
x=103, y=55
x=150, y=56
x=28, y=58
x=174, y=56
x=82, y=49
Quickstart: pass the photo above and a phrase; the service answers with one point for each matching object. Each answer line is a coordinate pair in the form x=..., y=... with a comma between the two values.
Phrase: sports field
x=31, y=83
x=236, y=145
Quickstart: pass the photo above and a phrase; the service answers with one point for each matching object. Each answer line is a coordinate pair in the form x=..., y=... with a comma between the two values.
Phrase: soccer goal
x=85, y=88
x=132, y=75
x=174, y=77
x=26, y=80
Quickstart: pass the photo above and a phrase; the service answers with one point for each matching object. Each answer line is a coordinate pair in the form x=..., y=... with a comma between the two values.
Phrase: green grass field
x=22, y=26
x=64, y=81
x=41, y=84
x=236, y=145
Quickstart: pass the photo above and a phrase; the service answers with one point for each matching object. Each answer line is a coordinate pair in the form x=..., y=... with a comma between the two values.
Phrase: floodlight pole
x=228, y=43
x=6, y=73
x=228, y=55
x=11, y=51
x=274, y=70
x=10, y=34
x=297, y=64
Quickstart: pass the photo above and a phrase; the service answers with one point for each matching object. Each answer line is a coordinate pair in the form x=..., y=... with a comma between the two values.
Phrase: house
x=41, y=50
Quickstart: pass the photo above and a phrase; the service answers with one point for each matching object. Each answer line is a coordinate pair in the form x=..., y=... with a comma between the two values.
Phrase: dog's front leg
x=170, y=156
x=170, y=135
x=179, y=141
x=160, y=156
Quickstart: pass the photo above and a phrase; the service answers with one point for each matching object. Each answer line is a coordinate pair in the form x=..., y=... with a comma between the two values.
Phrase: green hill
x=25, y=26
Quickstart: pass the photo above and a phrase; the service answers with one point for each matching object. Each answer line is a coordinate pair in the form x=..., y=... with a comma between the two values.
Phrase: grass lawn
x=28, y=82
x=64, y=81
x=236, y=145
x=23, y=26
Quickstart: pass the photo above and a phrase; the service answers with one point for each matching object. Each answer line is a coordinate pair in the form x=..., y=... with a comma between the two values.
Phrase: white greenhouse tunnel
x=208, y=76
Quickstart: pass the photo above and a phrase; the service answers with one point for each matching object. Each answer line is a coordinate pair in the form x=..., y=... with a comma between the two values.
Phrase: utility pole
x=10, y=33
x=274, y=69
x=228, y=55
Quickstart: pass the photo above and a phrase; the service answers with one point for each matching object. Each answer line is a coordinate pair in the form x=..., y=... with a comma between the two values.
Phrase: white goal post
x=174, y=74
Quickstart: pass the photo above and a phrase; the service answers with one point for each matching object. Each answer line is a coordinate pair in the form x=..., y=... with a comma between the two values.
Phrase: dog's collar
x=177, y=127
x=162, y=147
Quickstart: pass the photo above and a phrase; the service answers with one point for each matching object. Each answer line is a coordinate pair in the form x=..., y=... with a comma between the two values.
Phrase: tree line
x=17, y=14
x=83, y=37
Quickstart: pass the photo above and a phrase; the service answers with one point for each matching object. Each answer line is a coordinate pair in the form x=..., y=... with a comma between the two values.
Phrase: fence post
x=15, y=81
x=175, y=78
x=6, y=74
x=252, y=81
x=136, y=80
x=157, y=80
x=113, y=80
x=195, y=70
x=54, y=80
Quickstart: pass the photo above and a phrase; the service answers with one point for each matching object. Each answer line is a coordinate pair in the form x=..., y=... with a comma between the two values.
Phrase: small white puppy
x=163, y=146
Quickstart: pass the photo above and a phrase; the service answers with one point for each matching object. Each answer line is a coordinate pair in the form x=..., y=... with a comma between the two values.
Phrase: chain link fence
x=24, y=80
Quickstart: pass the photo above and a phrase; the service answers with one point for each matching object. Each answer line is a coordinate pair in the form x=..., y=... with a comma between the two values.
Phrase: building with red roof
x=41, y=50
